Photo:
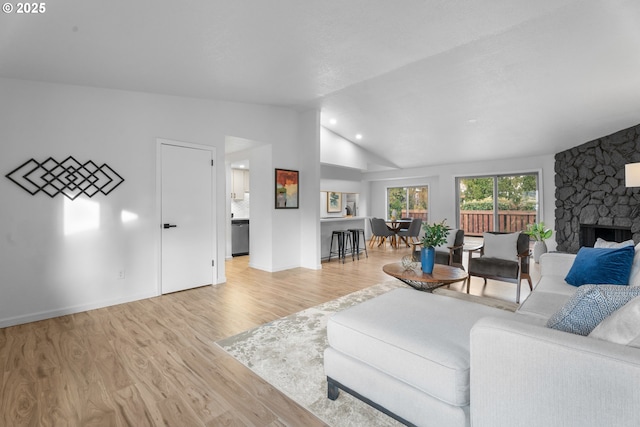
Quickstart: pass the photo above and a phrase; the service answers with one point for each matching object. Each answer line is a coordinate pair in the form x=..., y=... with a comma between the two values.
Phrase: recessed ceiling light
x=358, y=136
x=472, y=121
x=333, y=121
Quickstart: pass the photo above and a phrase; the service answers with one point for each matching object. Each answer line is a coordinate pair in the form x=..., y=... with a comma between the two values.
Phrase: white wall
x=260, y=230
x=442, y=187
x=45, y=272
x=309, y=188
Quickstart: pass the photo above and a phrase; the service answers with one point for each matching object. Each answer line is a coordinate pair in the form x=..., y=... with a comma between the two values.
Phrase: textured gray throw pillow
x=589, y=306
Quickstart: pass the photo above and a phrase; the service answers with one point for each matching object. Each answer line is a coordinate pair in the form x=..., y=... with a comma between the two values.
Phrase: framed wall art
x=287, y=182
x=334, y=201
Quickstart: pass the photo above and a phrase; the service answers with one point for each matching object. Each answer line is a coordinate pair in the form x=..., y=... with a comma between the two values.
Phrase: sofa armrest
x=526, y=375
x=556, y=263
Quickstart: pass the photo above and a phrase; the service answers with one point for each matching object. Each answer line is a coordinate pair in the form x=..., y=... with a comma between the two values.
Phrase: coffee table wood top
x=441, y=275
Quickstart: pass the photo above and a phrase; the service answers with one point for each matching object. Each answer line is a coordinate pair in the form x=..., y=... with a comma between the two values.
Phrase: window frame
x=406, y=187
x=539, y=184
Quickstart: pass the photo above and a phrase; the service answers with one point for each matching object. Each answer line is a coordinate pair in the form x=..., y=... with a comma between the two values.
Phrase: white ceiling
x=424, y=81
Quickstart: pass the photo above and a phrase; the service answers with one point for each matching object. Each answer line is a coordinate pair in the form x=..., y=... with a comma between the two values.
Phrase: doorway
x=187, y=206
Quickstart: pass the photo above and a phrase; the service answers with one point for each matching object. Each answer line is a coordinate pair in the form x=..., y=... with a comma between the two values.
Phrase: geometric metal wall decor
x=69, y=177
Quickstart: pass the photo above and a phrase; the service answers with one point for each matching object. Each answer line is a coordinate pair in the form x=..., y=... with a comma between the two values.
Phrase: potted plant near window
x=538, y=232
x=434, y=235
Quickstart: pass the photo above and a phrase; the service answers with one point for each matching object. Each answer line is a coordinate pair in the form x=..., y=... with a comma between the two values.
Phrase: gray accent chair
x=446, y=254
x=451, y=255
x=502, y=269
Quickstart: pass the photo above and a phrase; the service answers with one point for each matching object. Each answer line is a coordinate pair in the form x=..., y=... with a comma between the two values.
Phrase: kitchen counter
x=329, y=224
x=341, y=218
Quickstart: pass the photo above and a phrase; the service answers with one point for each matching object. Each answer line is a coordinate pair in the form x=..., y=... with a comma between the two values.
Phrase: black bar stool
x=355, y=238
x=343, y=237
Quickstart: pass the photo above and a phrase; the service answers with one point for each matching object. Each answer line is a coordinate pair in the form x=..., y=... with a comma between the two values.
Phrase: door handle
x=169, y=226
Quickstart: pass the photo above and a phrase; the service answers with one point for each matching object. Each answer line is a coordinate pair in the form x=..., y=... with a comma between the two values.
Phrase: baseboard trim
x=34, y=317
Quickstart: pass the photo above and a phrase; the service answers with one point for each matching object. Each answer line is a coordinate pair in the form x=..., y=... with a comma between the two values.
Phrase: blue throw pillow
x=589, y=306
x=601, y=266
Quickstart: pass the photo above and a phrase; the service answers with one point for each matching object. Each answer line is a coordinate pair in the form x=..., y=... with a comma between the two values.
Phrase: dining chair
x=380, y=231
x=412, y=232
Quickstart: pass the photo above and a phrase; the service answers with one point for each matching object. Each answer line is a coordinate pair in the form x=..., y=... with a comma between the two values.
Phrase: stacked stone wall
x=590, y=187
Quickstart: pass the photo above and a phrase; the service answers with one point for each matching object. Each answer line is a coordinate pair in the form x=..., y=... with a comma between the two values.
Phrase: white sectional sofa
x=432, y=360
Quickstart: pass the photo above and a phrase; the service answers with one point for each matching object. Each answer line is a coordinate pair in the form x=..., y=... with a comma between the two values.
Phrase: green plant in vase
x=434, y=235
x=538, y=232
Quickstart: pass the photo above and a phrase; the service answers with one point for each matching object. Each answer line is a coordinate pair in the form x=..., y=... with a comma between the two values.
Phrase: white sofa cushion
x=554, y=284
x=556, y=264
x=550, y=293
x=419, y=338
x=542, y=305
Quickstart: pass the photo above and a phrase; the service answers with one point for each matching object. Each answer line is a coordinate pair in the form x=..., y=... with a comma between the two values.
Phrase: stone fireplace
x=591, y=198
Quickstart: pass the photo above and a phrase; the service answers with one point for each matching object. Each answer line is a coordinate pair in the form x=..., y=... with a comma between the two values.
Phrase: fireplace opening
x=589, y=233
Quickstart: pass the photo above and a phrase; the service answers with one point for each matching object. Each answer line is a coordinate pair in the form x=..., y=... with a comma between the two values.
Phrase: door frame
x=158, y=216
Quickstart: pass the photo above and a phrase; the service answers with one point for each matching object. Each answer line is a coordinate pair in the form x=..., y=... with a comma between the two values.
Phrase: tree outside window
x=515, y=206
x=408, y=202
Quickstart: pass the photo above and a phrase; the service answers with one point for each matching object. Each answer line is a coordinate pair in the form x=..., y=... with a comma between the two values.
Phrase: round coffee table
x=416, y=278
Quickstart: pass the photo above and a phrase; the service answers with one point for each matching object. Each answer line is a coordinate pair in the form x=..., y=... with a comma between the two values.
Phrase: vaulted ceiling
x=423, y=81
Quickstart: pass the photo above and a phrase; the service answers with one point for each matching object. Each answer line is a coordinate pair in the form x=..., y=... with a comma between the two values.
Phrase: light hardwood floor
x=154, y=363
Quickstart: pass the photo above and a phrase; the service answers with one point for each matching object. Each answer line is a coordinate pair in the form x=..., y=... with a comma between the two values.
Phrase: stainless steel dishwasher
x=239, y=237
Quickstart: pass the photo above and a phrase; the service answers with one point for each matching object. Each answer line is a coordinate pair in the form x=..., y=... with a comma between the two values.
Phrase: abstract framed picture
x=287, y=182
x=334, y=201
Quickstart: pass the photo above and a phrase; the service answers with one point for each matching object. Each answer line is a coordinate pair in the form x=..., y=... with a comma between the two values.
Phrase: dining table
x=395, y=225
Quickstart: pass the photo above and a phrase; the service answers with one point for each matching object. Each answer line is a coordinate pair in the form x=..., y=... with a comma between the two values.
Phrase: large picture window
x=408, y=202
x=505, y=203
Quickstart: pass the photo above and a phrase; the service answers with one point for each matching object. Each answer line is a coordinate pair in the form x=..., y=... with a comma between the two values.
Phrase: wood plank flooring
x=154, y=363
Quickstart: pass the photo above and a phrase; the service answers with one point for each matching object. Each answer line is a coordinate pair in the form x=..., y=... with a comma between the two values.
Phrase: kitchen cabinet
x=246, y=181
x=237, y=184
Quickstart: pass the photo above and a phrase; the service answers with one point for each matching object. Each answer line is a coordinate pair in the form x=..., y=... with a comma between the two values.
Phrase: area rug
x=288, y=353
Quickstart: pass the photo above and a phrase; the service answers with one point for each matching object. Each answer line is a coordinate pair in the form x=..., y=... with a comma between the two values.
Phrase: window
x=408, y=202
x=505, y=203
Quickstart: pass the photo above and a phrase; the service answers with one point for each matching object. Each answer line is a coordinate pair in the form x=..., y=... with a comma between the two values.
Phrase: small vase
x=539, y=248
x=428, y=259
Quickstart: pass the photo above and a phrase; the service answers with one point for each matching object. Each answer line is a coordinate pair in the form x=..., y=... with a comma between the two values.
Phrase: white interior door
x=187, y=248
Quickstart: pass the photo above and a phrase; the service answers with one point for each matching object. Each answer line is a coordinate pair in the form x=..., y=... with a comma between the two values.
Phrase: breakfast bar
x=329, y=224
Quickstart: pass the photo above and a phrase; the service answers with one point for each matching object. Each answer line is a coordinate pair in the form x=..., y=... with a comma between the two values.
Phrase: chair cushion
x=451, y=241
x=601, y=266
x=503, y=246
x=442, y=256
x=589, y=306
x=391, y=334
x=493, y=267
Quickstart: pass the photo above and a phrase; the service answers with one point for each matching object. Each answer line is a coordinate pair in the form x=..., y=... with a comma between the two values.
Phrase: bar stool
x=355, y=238
x=343, y=237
